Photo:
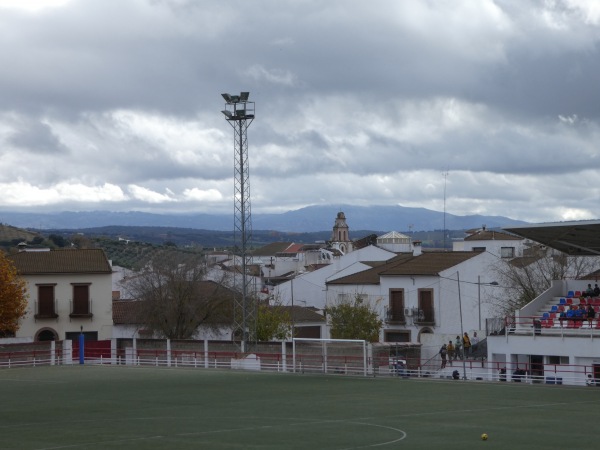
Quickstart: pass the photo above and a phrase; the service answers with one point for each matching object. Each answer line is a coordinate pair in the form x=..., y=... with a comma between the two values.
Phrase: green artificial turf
x=94, y=407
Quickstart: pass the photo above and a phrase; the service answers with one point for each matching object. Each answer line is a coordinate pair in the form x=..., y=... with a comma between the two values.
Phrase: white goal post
x=338, y=356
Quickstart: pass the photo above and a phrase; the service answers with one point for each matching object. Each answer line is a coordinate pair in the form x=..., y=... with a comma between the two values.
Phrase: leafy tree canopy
x=13, y=297
x=354, y=318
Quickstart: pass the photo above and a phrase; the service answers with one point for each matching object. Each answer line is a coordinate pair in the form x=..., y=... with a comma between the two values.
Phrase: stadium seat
x=577, y=293
x=569, y=301
x=549, y=323
x=552, y=315
x=563, y=301
x=546, y=315
x=570, y=294
x=561, y=308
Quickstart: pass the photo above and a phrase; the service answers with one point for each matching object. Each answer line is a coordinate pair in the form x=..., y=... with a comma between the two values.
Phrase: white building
x=420, y=296
x=503, y=245
x=69, y=291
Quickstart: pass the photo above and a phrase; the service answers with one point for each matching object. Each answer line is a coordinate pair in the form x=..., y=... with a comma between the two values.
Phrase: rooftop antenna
x=445, y=178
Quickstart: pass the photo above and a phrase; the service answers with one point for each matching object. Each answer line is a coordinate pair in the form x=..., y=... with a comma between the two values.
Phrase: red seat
x=549, y=323
x=577, y=293
x=582, y=301
x=561, y=308
x=569, y=301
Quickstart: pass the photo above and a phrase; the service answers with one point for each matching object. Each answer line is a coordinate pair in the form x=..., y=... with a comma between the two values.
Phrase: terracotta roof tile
x=405, y=264
x=61, y=261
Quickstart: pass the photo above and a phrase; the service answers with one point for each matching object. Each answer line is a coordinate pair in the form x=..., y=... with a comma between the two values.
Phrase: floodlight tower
x=239, y=112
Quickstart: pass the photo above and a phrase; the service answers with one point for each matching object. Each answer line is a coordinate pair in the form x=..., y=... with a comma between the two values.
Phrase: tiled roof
x=490, y=235
x=61, y=261
x=272, y=248
x=126, y=312
x=405, y=264
x=301, y=314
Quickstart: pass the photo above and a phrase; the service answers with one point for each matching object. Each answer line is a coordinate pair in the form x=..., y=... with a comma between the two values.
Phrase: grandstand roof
x=577, y=238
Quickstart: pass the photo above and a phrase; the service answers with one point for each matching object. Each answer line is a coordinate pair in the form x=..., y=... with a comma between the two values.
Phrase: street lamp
x=479, y=283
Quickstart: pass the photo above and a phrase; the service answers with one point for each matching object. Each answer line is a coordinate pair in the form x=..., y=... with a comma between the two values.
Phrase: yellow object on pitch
x=484, y=437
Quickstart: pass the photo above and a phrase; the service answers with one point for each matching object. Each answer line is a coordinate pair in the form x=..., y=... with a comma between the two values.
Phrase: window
x=426, y=311
x=479, y=249
x=395, y=312
x=81, y=305
x=46, y=305
x=507, y=252
x=558, y=360
x=396, y=336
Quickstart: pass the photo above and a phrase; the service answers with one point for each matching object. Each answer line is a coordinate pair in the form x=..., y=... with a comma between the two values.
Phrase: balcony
x=81, y=309
x=45, y=309
x=394, y=316
x=421, y=318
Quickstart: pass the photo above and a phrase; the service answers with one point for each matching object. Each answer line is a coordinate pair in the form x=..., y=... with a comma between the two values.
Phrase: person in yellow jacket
x=450, y=348
x=466, y=344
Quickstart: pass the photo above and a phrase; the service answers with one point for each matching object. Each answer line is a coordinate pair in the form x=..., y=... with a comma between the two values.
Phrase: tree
x=273, y=322
x=525, y=278
x=354, y=319
x=13, y=297
x=176, y=296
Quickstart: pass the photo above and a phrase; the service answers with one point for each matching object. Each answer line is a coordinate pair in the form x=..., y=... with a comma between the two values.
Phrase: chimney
x=417, y=248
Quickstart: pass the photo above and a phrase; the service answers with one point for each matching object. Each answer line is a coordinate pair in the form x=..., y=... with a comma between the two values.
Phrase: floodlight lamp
x=235, y=98
x=227, y=97
x=244, y=96
x=227, y=113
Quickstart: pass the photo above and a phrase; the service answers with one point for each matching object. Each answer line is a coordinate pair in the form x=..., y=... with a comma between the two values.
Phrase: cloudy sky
x=115, y=105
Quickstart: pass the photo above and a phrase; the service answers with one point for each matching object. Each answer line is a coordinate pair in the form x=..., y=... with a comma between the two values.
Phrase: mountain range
x=308, y=219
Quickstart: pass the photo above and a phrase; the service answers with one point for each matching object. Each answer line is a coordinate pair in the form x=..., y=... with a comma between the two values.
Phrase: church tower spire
x=340, y=238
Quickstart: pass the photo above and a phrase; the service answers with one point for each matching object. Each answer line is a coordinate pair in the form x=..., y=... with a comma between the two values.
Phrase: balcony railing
x=394, y=316
x=45, y=312
x=79, y=312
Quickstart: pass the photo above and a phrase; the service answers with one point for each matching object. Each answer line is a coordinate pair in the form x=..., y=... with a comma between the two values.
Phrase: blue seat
x=563, y=301
x=571, y=294
x=546, y=315
x=554, y=308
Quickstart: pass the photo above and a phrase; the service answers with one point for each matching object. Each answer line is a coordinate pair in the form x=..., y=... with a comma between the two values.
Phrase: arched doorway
x=425, y=330
x=46, y=334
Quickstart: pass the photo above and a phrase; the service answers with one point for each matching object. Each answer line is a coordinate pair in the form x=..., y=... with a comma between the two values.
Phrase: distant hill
x=304, y=220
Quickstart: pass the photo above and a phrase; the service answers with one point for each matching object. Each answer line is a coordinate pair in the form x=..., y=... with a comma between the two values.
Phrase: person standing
x=443, y=353
x=457, y=348
x=474, y=342
x=450, y=348
x=466, y=344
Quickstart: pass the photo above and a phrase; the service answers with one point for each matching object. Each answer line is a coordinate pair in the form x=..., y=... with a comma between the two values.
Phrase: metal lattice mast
x=239, y=112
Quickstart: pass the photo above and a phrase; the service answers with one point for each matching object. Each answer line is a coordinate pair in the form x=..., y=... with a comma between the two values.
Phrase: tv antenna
x=445, y=179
